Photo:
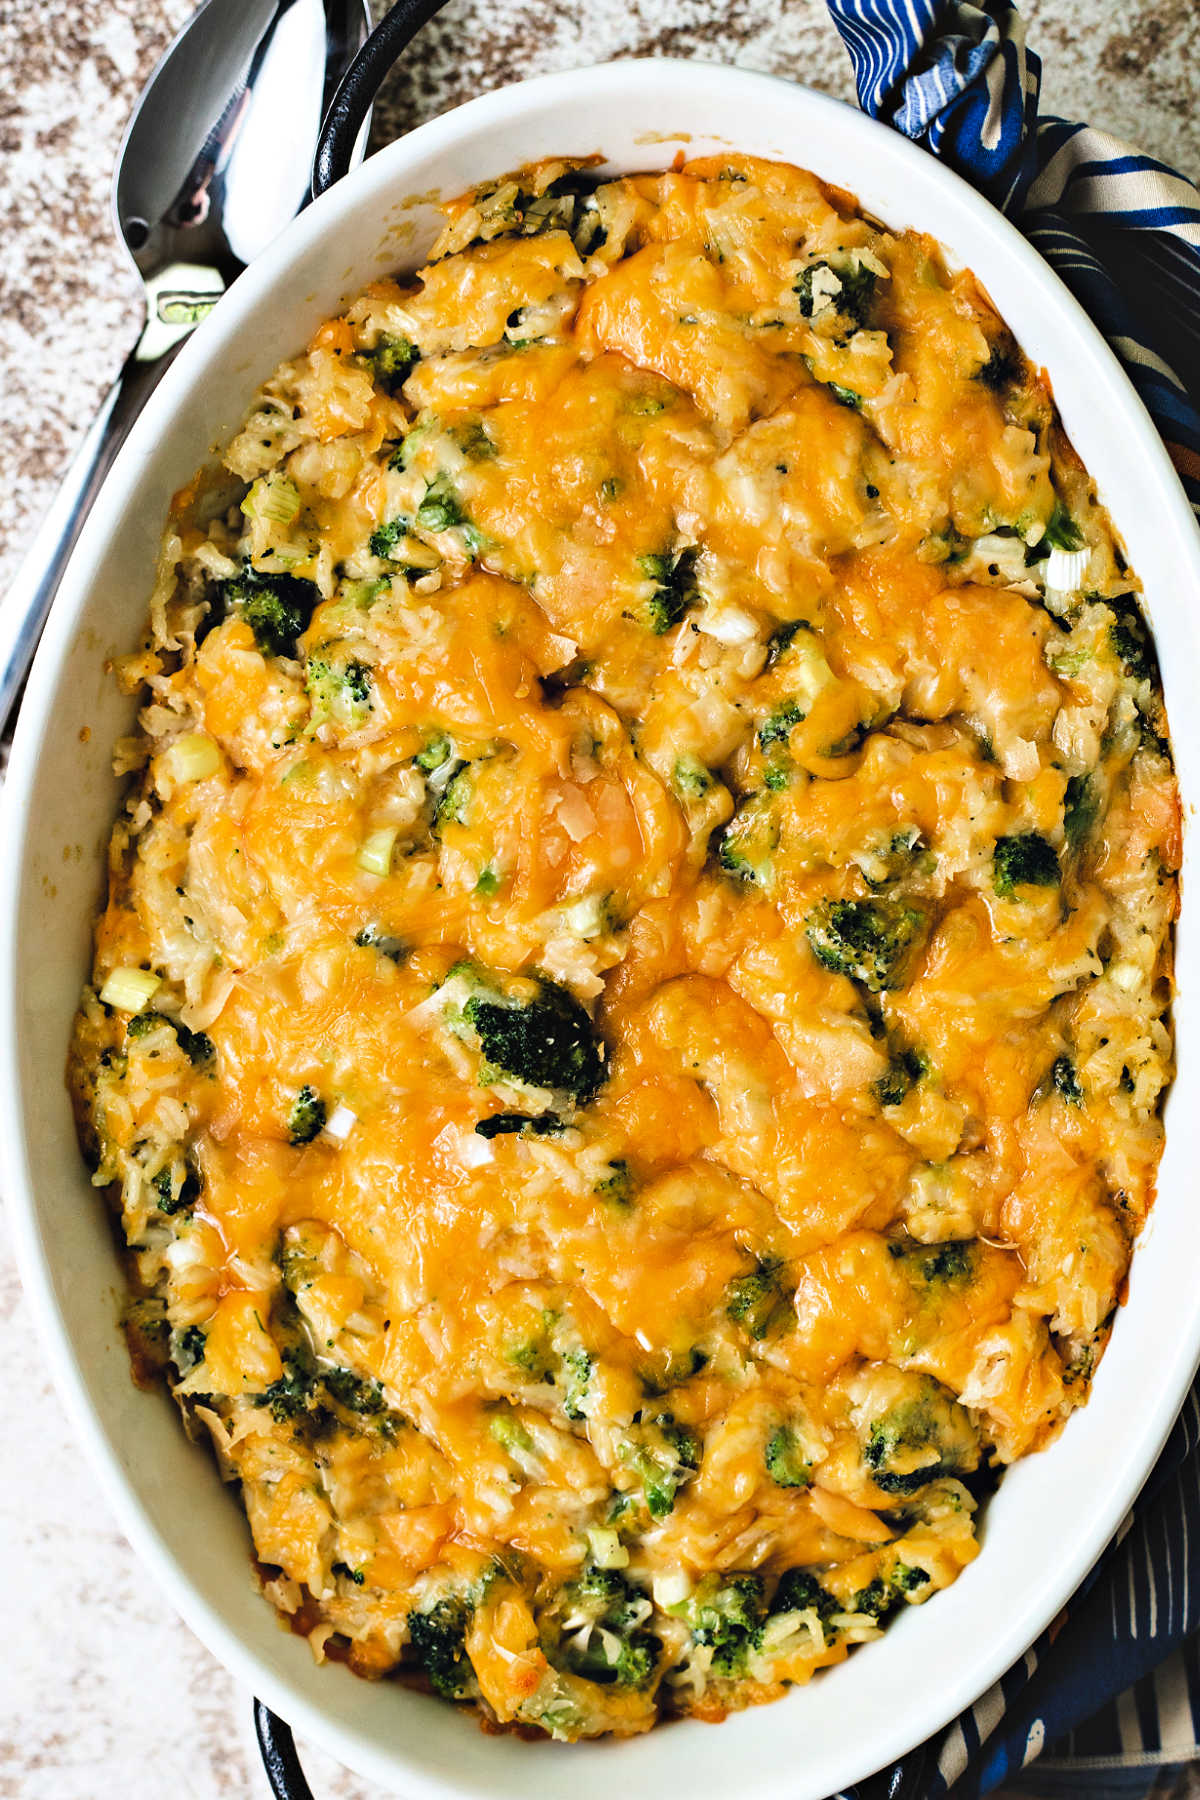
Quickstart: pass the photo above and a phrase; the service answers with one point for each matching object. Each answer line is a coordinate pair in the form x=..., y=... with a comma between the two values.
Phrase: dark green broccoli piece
x=291, y=1396
x=1081, y=808
x=576, y=1375
x=383, y=541
x=352, y=1392
x=437, y=1639
x=542, y=1038
x=1131, y=641
x=800, y=1591
x=613, y=1651
x=758, y=1301
x=277, y=608
x=856, y=291
x=785, y=1460
x=390, y=359
x=845, y=396
x=674, y=576
x=1065, y=1081
x=187, y=1348
x=509, y=1123
x=172, y=1199
x=728, y=1613
x=197, y=1046
x=1028, y=860
x=868, y=940
x=617, y=1187
x=307, y=1116
x=1001, y=370
x=777, y=726
x=664, y=1456
x=354, y=1575
x=338, y=689
x=782, y=638
x=920, y=1440
x=908, y=1579
x=904, y=1071
x=952, y=1261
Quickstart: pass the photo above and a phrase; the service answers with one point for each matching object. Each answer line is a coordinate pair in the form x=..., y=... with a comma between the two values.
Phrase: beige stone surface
x=105, y=1695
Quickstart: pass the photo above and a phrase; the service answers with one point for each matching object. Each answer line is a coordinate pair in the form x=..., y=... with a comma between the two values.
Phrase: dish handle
x=280, y=1759
x=356, y=92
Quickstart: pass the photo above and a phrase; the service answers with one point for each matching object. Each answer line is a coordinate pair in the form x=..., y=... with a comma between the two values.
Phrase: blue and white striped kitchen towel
x=1114, y=1684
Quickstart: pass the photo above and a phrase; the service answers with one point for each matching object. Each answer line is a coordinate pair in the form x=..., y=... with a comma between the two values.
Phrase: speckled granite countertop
x=105, y=1694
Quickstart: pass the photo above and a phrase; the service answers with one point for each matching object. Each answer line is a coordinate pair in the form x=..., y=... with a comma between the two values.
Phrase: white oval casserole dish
x=1055, y=1512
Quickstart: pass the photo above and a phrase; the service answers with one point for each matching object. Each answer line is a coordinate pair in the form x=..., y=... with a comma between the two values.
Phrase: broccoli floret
x=1028, y=860
x=383, y=541
x=441, y=508
x=172, y=1199
x=1081, y=808
x=777, y=727
x=1131, y=641
x=187, y=1348
x=952, y=1261
x=919, y=1440
x=197, y=1046
x=338, y=689
x=781, y=639
x=1065, y=1081
x=352, y=1392
x=852, y=297
x=437, y=751
x=617, y=1187
x=603, y=1642
x=509, y=1123
x=354, y=1575
x=868, y=940
x=307, y=1116
x=728, y=1614
x=800, y=1591
x=758, y=1301
x=437, y=1639
x=674, y=576
x=664, y=1457
x=454, y=803
x=904, y=1071
x=534, y=1033
x=277, y=608
x=785, y=1460
x=845, y=396
x=390, y=359
x=576, y=1375
x=745, y=849
x=690, y=779
x=290, y=1396
x=1001, y=370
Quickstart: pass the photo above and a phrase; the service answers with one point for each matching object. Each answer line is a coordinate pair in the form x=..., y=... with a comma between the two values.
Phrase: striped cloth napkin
x=1114, y=1685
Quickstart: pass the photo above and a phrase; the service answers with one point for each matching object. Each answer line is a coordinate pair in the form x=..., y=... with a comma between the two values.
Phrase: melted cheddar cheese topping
x=628, y=1030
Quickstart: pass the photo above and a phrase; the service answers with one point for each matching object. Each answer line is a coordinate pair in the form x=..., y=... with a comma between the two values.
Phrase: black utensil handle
x=360, y=84
x=279, y=1756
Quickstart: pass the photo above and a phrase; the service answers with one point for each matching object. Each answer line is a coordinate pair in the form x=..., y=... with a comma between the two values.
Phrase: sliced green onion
x=130, y=989
x=375, y=852
x=274, y=497
x=193, y=757
x=608, y=1552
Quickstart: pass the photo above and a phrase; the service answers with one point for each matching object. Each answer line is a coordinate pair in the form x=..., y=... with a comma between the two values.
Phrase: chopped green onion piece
x=608, y=1552
x=130, y=989
x=275, y=498
x=375, y=852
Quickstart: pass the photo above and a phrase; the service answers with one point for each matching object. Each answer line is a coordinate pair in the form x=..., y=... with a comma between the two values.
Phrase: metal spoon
x=214, y=163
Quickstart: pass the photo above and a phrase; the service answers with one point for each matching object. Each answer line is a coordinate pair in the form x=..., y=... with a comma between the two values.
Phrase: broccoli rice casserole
x=628, y=1030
